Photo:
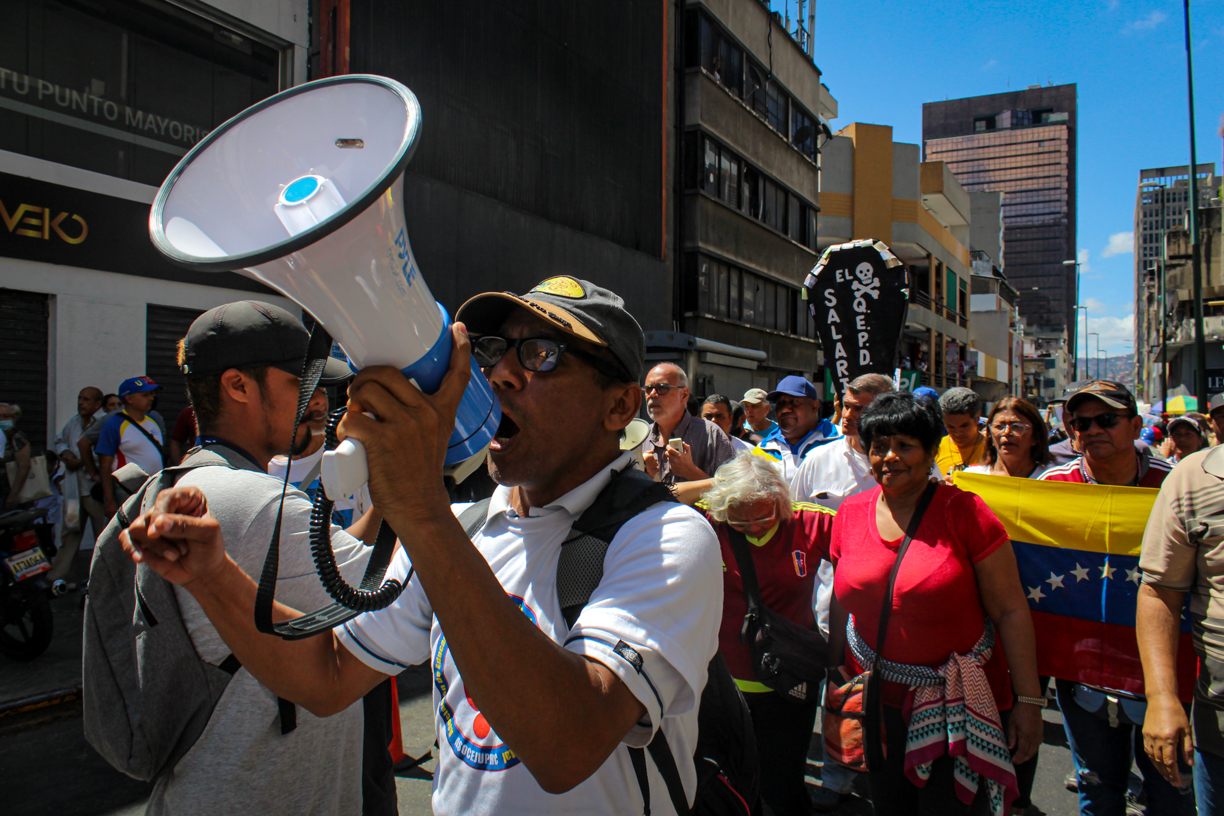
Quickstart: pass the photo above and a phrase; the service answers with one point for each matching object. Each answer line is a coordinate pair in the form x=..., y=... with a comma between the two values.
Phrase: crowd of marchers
x=843, y=519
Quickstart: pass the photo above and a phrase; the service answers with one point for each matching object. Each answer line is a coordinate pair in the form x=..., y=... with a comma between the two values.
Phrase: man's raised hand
x=178, y=539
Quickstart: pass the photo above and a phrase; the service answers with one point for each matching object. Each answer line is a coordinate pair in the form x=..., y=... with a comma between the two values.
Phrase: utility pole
x=1200, y=338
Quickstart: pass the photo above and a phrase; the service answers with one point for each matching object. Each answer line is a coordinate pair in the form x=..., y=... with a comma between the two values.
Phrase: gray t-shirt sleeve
x=246, y=503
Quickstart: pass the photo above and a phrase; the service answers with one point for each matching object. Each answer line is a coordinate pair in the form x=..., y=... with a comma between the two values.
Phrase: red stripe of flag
x=1102, y=654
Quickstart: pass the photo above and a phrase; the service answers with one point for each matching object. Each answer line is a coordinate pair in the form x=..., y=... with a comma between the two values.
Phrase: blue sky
x=881, y=60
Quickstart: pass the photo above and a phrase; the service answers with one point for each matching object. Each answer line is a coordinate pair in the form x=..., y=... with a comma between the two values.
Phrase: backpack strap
x=160, y=450
x=581, y=563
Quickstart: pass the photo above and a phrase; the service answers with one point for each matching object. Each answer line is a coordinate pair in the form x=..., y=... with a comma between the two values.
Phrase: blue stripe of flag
x=1081, y=584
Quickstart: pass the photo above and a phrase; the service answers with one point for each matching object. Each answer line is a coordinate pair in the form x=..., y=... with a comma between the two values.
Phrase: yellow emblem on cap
x=563, y=286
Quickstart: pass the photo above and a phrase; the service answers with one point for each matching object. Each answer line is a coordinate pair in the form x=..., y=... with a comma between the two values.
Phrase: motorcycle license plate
x=27, y=564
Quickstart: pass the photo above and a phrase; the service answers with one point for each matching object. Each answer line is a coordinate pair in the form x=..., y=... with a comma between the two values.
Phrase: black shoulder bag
x=787, y=657
x=853, y=720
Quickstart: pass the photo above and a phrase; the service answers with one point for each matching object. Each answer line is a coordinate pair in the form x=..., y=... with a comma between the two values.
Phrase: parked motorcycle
x=26, y=550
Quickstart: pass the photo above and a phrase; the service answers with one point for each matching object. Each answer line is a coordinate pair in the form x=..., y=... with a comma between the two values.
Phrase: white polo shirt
x=661, y=595
x=828, y=476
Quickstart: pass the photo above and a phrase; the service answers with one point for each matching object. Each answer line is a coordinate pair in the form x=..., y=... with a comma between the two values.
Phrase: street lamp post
x=1088, y=360
x=1102, y=356
x=1074, y=354
x=1200, y=340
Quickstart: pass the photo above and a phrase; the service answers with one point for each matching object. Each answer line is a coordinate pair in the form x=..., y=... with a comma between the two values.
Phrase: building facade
x=1022, y=144
x=1161, y=206
x=751, y=110
x=98, y=102
x=876, y=188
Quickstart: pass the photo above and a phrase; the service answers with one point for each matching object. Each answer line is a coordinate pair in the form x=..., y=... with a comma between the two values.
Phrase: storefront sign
x=34, y=96
x=55, y=224
x=858, y=292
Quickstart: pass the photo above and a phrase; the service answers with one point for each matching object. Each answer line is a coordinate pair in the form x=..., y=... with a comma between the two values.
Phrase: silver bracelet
x=1040, y=702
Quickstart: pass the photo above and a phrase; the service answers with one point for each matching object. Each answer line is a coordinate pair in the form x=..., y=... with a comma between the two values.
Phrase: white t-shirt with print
x=661, y=595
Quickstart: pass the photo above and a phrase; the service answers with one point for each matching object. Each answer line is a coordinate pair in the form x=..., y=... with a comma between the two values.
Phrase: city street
x=50, y=770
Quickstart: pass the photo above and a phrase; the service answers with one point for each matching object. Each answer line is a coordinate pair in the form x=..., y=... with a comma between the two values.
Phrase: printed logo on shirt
x=799, y=559
x=466, y=730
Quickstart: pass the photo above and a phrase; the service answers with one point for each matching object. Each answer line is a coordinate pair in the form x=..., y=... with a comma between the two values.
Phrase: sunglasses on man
x=1103, y=421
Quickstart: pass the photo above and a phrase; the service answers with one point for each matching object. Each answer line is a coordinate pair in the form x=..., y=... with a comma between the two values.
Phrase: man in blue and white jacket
x=800, y=428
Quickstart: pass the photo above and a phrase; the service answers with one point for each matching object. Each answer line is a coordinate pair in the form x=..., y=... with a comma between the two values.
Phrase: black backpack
x=728, y=781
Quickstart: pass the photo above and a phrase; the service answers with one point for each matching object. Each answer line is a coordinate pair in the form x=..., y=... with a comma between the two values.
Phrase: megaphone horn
x=304, y=192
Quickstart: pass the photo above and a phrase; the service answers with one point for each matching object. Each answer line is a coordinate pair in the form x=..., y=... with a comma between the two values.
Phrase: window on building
x=803, y=132
x=983, y=123
x=778, y=114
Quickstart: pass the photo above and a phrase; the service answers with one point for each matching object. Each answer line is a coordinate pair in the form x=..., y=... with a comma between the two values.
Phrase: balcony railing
x=963, y=321
x=920, y=297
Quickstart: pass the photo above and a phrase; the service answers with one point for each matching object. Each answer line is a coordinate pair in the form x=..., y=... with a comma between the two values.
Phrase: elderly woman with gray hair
x=787, y=543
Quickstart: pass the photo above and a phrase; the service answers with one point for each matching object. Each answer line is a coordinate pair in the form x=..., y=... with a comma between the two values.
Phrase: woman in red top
x=787, y=543
x=958, y=606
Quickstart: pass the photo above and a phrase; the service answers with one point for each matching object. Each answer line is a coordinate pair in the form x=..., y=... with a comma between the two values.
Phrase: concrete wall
x=990, y=333
x=986, y=225
x=906, y=171
x=837, y=165
x=743, y=241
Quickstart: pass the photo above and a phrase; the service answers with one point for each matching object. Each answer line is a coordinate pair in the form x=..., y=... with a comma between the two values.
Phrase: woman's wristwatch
x=1040, y=702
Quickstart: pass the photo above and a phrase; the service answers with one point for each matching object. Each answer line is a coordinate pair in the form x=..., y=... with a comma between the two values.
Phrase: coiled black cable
x=370, y=596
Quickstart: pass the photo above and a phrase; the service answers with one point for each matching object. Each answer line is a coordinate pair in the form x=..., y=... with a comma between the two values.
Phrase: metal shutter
x=23, y=360
x=164, y=327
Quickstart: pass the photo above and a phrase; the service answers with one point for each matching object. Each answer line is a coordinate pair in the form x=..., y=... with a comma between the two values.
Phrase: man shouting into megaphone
x=534, y=712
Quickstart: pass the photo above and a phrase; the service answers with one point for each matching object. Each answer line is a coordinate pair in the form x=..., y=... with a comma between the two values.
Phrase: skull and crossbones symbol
x=867, y=284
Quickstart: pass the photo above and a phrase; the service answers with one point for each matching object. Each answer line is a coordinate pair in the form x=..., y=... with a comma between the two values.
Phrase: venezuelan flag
x=1077, y=548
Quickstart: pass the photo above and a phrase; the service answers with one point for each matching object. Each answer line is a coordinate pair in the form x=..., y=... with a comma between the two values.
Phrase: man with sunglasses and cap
x=1104, y=420
x=533, y=715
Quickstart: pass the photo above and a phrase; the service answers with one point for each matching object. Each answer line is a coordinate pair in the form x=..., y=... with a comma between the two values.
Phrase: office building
x=1023, y=144
x=750, y=109
x=1161, y=206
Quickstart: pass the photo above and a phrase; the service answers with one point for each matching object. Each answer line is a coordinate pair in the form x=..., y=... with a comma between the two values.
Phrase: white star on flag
x=1055, y=581
x=1080, y=573
x=1108, y=571
x=1135, y=575
x=1035, y=593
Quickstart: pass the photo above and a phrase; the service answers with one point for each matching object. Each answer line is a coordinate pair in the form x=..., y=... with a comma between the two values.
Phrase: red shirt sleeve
x=977, y=525
x=184, y=427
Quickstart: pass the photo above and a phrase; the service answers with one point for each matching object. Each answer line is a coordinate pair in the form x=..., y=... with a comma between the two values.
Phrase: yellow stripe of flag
x=1096, y=518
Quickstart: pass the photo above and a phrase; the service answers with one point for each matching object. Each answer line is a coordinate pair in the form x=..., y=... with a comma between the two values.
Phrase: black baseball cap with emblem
x=252, y=334
x=577, y=307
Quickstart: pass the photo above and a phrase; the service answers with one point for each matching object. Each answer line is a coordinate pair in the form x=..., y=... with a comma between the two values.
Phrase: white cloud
x=989, y=65
x=1095, y=306
x=1120, y=243
x=1082, y=258
x=1115, y=333
x=1151, y=21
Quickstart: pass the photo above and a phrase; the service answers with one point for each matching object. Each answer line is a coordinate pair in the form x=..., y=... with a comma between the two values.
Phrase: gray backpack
x=147, y=695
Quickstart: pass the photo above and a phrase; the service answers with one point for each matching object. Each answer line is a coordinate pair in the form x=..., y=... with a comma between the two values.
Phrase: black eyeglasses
x=538, y=354
x=662, y=389
x=1103, y=421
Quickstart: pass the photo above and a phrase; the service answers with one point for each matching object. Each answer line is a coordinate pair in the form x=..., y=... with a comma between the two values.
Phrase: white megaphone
x=304, y=192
